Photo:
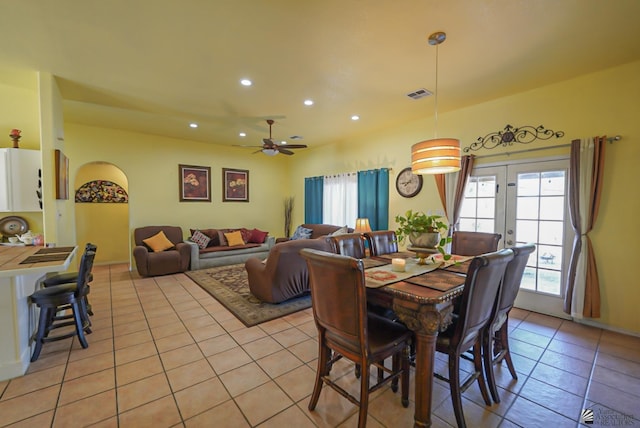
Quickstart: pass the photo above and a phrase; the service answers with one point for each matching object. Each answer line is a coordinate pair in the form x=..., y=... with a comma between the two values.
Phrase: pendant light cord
x=436, y=98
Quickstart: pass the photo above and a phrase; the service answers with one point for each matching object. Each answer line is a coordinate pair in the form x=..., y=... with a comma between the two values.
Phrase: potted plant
x=423, y=230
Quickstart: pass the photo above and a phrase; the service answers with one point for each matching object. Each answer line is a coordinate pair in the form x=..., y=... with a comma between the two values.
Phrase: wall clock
x=408, y=184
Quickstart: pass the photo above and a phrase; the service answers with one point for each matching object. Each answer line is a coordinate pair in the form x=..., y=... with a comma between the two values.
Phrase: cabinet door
x=19, y=182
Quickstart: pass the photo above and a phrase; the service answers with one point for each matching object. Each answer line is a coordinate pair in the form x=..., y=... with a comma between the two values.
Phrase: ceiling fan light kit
x=270, y=148
x=439, y=155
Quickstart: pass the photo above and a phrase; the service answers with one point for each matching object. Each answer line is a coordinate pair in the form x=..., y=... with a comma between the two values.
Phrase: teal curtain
x=313, y=200
x=373, y=197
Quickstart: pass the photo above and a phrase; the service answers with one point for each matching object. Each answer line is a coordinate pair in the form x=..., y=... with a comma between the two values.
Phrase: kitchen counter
x=21, y=267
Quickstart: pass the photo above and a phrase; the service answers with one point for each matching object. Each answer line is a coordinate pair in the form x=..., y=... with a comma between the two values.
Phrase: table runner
x=45, y=258
x=383, y=275
x=52, y=250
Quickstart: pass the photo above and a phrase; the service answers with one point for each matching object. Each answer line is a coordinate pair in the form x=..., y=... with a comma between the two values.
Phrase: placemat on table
x=53, y=250
x=461, y=267
x=438, y=279
x=371, y=263
x=46, y=258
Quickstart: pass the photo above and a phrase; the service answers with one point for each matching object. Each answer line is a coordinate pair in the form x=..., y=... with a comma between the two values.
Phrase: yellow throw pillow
x=158, y=242
x=234, y=238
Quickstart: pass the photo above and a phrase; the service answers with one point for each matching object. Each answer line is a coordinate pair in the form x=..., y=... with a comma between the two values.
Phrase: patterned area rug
x=229, y=286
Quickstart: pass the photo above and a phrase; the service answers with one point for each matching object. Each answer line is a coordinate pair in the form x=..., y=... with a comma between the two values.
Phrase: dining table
x=21, y=268
x=422, y=297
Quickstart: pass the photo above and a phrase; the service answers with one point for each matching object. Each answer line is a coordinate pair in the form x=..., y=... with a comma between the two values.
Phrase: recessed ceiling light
x=355, y=117
x=246, y=82
x=243, y=134
x=308, y=102
x=283, y=142
x=193, y=125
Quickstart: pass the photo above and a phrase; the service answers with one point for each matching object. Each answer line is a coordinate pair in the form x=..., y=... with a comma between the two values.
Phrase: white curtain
x=340, y=199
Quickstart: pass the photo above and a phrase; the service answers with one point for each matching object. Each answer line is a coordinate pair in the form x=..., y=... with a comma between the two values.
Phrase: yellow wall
x=150, y=163
x=103, y=224
x=601, y=103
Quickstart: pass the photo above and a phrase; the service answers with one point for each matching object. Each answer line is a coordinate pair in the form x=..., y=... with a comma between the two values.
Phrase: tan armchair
x=150, y=263
x=284, y=275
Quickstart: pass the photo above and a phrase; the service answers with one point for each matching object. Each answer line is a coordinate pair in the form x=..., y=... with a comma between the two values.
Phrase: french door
x=526, y=202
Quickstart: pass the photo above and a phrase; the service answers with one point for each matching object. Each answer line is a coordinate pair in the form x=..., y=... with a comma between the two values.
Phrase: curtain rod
x=557, y=146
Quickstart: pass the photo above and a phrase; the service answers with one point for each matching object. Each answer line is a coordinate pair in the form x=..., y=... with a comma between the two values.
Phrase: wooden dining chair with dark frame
x=382, y=242
x=478, y=299
x=474, y=243
x=496, y=340
x=346, y=329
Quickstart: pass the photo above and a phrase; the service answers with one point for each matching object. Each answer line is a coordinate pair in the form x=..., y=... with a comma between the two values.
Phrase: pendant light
x=439, y=155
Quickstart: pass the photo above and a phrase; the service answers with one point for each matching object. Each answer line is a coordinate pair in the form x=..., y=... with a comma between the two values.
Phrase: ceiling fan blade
x=267, y=141
x=238, y=145
x=284, y=151
x=295, y=146
x=257, y=151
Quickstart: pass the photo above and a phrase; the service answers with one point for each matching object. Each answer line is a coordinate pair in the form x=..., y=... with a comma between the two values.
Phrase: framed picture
x=235, y=185
x=195, y=183
x=62, y=175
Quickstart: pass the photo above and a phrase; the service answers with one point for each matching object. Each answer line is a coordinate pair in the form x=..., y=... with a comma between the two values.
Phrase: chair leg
x=477, y=363
x=41, y=333
x=78, y=318
x=504, y=338
x=323, y=368
x=364, y=395
x=454, y=384
x=487, y=360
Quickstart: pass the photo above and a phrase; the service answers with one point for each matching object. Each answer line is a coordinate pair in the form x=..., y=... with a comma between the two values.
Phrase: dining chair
x=61, y=297
x=382, y=242
x=346, y=329
x=474, y=243
x=496, y=340
x=479, y=296
x=72, y=277
x=349, y=244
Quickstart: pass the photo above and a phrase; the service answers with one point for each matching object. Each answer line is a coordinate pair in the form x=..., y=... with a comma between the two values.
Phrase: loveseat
x=173, y=257
x=218, y=252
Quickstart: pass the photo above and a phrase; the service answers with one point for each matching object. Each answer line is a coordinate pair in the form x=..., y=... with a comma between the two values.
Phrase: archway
x=102, y=211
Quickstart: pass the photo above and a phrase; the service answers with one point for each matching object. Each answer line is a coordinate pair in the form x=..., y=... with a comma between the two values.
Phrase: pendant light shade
x=438, y=156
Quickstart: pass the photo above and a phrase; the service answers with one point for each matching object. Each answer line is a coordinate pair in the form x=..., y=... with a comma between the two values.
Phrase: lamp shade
x=362, y=225
x=438, y=156
x=270, y=152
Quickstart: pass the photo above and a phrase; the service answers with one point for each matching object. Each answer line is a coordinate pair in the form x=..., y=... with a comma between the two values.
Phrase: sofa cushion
x=246, y=234
x=158, y=242
x=201, y=239
x=223, y=249
x=212, y=234
x=258, y=236
x=342, y=231
x=234, y=238
x=301, y=233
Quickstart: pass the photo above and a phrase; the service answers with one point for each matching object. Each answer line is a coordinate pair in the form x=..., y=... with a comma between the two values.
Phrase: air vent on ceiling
x=296, y=137
x=420, y=93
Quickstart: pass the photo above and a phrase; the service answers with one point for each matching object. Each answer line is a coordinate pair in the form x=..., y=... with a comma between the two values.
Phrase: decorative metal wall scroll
x=102, y=191
x=510, y=135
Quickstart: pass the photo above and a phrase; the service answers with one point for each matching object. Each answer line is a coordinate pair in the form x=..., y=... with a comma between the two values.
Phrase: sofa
x=172, y=257
x=218, y=252
x=319, y=230
x=284, y=274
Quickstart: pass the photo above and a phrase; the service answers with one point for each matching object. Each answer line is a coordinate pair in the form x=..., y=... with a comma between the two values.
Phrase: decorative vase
x=15, y=137
x=424, y=239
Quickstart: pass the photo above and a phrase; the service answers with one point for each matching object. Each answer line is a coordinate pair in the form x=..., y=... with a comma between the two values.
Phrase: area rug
x=229, y=286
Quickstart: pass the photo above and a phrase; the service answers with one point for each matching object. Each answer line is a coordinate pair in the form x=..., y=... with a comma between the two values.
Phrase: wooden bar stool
x=71, y=296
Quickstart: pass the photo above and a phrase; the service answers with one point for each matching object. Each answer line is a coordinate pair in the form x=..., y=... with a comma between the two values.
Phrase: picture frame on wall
x=195, y=183
x=62, y=175
x=235, y=185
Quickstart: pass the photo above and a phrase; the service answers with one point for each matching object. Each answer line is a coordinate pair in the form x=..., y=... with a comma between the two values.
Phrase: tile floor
x=163, y=353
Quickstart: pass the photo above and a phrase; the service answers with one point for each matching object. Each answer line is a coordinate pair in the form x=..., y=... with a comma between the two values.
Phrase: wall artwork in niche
x=235, y=185
x=102, y=191
x=195, y=183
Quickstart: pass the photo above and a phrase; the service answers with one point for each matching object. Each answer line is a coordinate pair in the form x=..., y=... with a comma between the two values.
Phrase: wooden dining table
x=426, y=311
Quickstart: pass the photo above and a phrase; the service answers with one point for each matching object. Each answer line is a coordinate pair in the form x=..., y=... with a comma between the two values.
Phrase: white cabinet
x=19, y=180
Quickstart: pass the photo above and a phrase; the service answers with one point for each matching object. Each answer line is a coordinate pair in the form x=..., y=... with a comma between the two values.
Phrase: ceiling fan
x=270, y=148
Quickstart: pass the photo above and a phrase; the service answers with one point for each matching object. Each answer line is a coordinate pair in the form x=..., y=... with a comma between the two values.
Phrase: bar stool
x=70, y=296
x=72, y=277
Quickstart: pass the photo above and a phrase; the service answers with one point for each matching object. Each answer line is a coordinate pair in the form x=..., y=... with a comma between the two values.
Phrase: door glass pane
x=485, y=225
x=526, y=231
x=552, y=183
x=468, y=208
x=477, y=213
x=529, y=184
x=527, y=208
x=471, y=191
x=486, y=187
x=552, y=208
x=551, y=232
x=486, y=208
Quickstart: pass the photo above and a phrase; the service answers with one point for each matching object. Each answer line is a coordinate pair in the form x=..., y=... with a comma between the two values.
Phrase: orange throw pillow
x=158, y=242
x=234, y=238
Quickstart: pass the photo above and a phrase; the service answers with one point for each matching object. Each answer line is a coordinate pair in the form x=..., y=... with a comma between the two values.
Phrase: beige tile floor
x=163, y=353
